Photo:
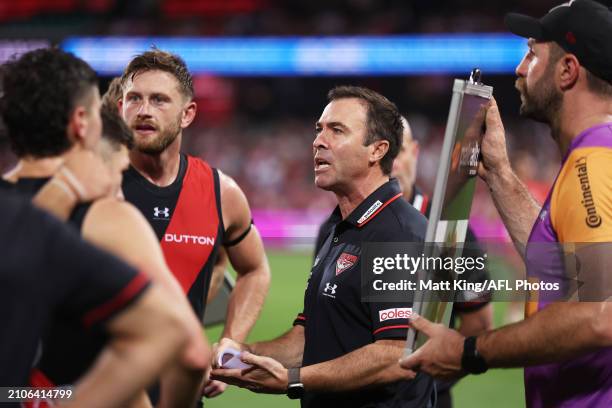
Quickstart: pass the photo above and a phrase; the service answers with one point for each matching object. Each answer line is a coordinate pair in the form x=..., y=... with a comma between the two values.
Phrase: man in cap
x=565, y=81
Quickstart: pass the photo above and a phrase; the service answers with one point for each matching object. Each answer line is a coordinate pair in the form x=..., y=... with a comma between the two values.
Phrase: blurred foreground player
x=476, y=315
x=565, y=81
x=342, y=352
x=193, y=208
x=90, y=289
x=59, y=129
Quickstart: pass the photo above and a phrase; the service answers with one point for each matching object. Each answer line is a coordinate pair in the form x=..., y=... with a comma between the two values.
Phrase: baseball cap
x=580, y=27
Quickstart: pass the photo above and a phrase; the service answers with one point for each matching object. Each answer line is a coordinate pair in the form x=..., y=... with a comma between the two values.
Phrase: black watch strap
x=295, y=388
x=471, y=361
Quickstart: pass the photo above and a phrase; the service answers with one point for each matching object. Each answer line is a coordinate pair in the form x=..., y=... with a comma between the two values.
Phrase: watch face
x=295, y=391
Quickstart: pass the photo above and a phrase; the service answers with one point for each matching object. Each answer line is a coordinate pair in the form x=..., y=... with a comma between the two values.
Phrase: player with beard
x=193, y=208
x=565, y=80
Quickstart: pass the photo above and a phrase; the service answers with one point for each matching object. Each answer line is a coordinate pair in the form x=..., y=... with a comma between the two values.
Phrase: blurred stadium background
x=262, y=70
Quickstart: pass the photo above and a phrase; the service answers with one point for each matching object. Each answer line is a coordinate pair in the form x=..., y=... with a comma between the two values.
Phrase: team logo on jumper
x=397, y=313
x=189, y=239
x=592, y=220
x=369, y=212
x=344, y=262
x=330, y=290
x=162, y=213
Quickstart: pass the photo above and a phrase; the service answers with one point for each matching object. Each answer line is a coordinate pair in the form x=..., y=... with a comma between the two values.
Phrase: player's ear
x=189, y=113
x=77, y=125
x=569, y=69
x=378, y=149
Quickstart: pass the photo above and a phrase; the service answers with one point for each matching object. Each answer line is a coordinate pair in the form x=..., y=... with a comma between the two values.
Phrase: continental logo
x=593, y=220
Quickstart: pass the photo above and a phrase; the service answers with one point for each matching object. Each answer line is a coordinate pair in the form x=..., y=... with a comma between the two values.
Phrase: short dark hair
x=113, y=94
x=384, y=121
x=114, y=129
x=163, y=61
x=40, y=90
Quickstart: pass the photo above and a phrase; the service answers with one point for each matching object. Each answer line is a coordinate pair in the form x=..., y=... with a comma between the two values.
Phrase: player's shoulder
x=230, y=190
x=402, y=222
x=587, y=167
x=113, y=210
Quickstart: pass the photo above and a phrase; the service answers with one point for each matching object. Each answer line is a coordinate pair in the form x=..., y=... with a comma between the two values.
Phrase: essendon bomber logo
x=593, y=220
x=344, y=262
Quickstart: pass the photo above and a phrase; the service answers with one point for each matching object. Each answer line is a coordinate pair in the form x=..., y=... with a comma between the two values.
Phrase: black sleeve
x=391, y=320
x=94, y=285
x=322, y=235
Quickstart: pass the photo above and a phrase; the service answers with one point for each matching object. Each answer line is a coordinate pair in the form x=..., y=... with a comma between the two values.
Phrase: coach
x=342, y=352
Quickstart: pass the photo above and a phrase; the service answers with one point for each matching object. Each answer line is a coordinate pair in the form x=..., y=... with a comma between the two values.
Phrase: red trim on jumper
x=399, y=326
x=301, y=317
x=127, y=293
x=371, y=217
x=424, y=204
x=39, y=379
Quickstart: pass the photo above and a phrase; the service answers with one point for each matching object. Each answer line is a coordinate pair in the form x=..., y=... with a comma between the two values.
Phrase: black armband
x=242, y=236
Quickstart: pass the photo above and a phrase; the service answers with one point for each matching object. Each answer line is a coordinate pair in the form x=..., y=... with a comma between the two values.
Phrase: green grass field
x=501, y=388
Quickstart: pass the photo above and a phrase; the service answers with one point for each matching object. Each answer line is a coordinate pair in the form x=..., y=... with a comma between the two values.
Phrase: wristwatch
x=295, y=388
x=471, y=361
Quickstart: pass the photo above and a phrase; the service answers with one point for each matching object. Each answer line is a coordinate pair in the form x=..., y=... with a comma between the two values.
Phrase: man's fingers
x=219, y=373
x=411, y=362
x=255, y=360
x=214, y=388
x=421, y=324
x=493, y=119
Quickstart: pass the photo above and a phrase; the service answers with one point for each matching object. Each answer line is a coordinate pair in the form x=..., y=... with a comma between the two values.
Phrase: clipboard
x=453, y=195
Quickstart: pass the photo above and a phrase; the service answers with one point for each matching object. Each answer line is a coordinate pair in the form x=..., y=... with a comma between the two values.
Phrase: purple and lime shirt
x=578, y=209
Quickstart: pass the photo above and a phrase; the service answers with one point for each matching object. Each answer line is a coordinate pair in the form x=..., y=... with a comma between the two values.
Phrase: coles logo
x=397, y=313
x=344, y=262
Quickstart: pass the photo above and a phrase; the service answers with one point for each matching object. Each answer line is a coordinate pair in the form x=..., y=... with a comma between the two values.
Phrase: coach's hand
x=222, y=345
x=265, y=376
x=440, y=356
x=494, y=155
x=213, y=388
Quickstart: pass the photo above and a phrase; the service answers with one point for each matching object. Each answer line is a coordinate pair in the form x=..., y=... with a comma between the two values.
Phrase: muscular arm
x=247, y=258
x=143, y=340
x=218, y=275
x=59, y=196
x=55, y=200
x=119, y=228
x=558, y=332
x=517, y=208
x=367, y=366
x=476, y=322
x=287, y=349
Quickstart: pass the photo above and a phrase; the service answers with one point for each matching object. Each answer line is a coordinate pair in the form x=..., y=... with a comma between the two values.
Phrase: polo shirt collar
x=372, y=205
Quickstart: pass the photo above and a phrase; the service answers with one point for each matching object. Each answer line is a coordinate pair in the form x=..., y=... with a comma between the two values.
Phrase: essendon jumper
x=186, y=217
